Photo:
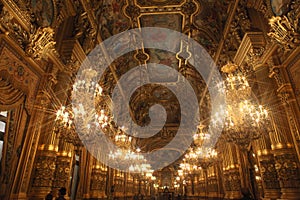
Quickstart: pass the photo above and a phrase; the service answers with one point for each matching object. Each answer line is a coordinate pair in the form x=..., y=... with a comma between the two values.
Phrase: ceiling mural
x=44, y=11
x=209, y=23
x=170, y=21
x=112, y=20
x=179, y=16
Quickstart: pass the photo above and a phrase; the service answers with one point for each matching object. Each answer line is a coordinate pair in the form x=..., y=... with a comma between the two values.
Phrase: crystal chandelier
x=135, y=162
x=123, y=140
x=65, y=126
x=244, y=119
x=199, y=156
x=64, y=117
x=87, y=84
x=206, y=156
x=202, y=156
x=87, y=92
x=200, y=136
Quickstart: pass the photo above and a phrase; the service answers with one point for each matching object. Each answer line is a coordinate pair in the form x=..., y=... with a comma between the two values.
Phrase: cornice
x=251, y=40
x=21, y=17
x=34, y=66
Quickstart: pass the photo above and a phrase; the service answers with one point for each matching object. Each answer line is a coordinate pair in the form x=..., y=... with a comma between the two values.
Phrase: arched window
x=3, y=121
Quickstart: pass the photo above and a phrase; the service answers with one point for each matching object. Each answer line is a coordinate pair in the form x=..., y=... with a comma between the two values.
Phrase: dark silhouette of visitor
x=49, y=196
x=61, y=193
x=178, y=197
x=246, y=194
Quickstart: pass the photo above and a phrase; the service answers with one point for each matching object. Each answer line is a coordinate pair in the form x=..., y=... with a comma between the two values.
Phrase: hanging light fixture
x=123, y=140
x=64, y=117
x=244, y=119
x=200, y=136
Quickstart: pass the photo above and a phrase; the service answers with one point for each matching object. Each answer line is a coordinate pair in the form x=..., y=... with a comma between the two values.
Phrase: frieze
x=13, y=28
x=62, y=172
x=44, y=171
x=152, y=3
x=288, y=171
x=20, y=12
x=269, y=174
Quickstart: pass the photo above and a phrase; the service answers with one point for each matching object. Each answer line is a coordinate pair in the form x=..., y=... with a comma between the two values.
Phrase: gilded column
x=201, y=182
x=86, y=164
x=213, y=187
x=262, y=146
x=129, y=187
x=98, y=180
x=63, y=166
x=269, y=177
x=44, y=169
x=288, y=100
x=118, y=183
x=136, y=188
x=284, y=145
x=232, y=178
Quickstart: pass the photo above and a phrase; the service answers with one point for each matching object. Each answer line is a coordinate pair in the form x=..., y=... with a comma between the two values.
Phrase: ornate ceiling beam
x=226, y=30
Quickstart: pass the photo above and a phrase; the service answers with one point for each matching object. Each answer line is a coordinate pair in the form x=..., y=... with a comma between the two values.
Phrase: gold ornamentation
x=41, y=43
x=283, y=31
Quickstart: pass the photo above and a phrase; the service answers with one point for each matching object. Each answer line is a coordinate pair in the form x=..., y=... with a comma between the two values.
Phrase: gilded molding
x=250, y=49
x=23, y=17
x=41, y=43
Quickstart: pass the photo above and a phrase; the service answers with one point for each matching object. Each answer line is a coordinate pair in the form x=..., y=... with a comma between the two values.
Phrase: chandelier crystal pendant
x=64, y=117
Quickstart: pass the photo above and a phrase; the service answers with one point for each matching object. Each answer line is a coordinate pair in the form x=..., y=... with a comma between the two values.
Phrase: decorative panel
x=18, y=72
x=170, y=21
x=112, y=20
x=294, y=73
x=146, y=3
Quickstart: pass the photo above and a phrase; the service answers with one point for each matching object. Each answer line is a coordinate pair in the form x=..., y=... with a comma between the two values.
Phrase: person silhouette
x=246, y=194
x=61, y=193
x=49, y=196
